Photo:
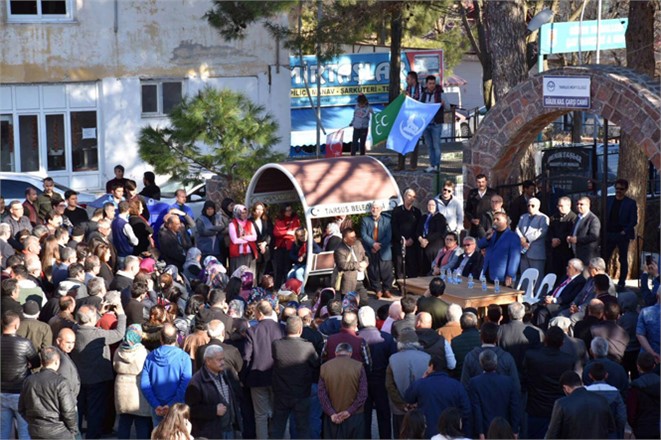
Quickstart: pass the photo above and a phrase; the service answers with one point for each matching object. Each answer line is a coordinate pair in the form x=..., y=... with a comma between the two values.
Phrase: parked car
x=13, y=186
x=196, y=194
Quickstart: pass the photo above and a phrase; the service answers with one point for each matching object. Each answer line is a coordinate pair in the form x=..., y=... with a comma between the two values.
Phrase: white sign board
x=566, y=91
x=332, y=210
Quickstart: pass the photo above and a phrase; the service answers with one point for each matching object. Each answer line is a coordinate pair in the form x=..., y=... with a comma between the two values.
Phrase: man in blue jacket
x=622, y=218
x=166, y=374
x=376, y=235
x=435, y=392
x=503, y=251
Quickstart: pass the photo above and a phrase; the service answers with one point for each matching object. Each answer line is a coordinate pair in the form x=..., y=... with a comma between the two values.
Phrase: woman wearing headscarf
x=209, y=230
x=333, y=237
x=215, y=274
x=243, y=238
x=130, y=404
x=192, y=266
x=432, y=228
x=283, y=232
x=448, y=255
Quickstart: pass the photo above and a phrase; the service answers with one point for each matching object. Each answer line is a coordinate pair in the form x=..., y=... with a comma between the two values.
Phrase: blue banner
x=413, y=118
x=564, y=37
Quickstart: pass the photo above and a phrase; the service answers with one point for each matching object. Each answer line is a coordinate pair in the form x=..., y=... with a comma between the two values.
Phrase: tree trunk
x=485, y=58
x=632, y=164
x=394, y=89
x=505, y=27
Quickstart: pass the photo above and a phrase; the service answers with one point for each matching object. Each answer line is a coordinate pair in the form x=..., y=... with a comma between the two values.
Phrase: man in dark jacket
x=409, y=307
x=466, y=341
x=542, y=369
x=505, y=366
x=493, y=395
x=479, y=200
x=212, y=395
x=405, y=219
x=560, y=227
x=643, y=399
x=173, y=242
x=581, y=414
x=295, y=368
x=516, y=337
x=381, y=346
x=259, y=364
x=433, y=304
x=233, y=359
x=17, y=356
x=92, y=357
x=471, y=261
x=47, y=402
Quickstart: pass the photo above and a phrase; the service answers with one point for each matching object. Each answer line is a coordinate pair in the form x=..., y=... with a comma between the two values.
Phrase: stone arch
x=629, y=99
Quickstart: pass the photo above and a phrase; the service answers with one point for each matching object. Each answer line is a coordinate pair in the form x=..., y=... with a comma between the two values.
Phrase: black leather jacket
x=49, y=406
x=17, y=356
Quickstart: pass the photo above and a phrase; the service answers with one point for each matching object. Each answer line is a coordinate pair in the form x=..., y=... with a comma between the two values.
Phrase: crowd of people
x=202, y=327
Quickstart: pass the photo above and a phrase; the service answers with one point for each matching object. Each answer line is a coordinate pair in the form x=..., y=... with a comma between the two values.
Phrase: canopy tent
x=325, y=188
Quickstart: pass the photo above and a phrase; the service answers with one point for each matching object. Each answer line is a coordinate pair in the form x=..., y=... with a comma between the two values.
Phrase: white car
x=13, y=186
x=196, y=194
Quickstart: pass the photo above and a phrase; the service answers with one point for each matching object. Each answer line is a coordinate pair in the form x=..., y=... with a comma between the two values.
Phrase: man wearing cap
x=76, y=215
x=31, y=328
x=532, y=228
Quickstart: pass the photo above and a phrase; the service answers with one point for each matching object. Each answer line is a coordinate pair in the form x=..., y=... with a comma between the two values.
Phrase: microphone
x=403, y=246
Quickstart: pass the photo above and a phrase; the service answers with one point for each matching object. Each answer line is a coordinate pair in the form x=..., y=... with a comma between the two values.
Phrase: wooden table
x=460, y=293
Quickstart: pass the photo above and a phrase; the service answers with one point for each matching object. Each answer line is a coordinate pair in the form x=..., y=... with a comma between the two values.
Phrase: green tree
x=217, y=130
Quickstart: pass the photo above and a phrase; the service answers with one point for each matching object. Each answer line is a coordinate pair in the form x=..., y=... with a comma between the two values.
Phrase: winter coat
x=128, y=366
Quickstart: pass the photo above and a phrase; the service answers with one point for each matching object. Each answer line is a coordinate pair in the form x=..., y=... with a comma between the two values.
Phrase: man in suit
x=351, y=264
x=405, y=219
x=259, y=364
x=174, y=242
x=471, y=261
x=542, y=369
x=563, y=296
x=622, y=217
x=376, y=235
x=479, y=200
x=584, y=239
x=516, y=337
x=532, y=229
x=561, y=226
x=581, y=414
x=493, y=395
x=503, y=251
x=519, y=206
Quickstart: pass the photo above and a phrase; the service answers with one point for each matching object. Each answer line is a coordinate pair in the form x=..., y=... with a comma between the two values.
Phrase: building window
x=55, y=142
x=7, y=150
x=28, y=133
x=39, y=10
x=84, y=141
x=160, y=97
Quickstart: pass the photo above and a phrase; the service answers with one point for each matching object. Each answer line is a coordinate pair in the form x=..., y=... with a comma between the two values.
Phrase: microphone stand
x=404, y=261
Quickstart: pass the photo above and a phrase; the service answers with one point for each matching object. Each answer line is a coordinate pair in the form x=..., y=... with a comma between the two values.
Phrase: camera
x=648, y=260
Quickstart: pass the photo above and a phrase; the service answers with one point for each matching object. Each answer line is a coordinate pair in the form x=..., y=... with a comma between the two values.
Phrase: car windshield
x=168, y=188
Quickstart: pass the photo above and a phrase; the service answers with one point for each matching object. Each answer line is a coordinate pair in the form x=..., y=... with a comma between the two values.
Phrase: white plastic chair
x=545, y=287
x=530, y=275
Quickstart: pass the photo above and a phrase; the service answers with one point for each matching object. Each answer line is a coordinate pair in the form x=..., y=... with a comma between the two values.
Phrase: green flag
x=382, y=122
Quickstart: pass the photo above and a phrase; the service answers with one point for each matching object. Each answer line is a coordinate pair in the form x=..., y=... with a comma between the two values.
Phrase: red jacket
x=280, y=228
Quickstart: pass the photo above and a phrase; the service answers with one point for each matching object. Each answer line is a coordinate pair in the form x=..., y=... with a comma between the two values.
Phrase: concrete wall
x=111, y=45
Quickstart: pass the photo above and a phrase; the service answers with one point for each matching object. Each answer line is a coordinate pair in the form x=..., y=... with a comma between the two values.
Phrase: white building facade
x=80, y=78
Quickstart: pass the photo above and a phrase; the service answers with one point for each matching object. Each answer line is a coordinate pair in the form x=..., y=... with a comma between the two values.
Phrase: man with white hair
x=404, y=367
x=6, y=250
x=395, y=313
x=562, y=296
x=452, y=328
x=576, y=310
x=381, y=346
x=532, y=229
x=216, y=333
x=213, y=397
x=91, y=355
x=516, y=337
x=617, y=376
x=31, y=246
